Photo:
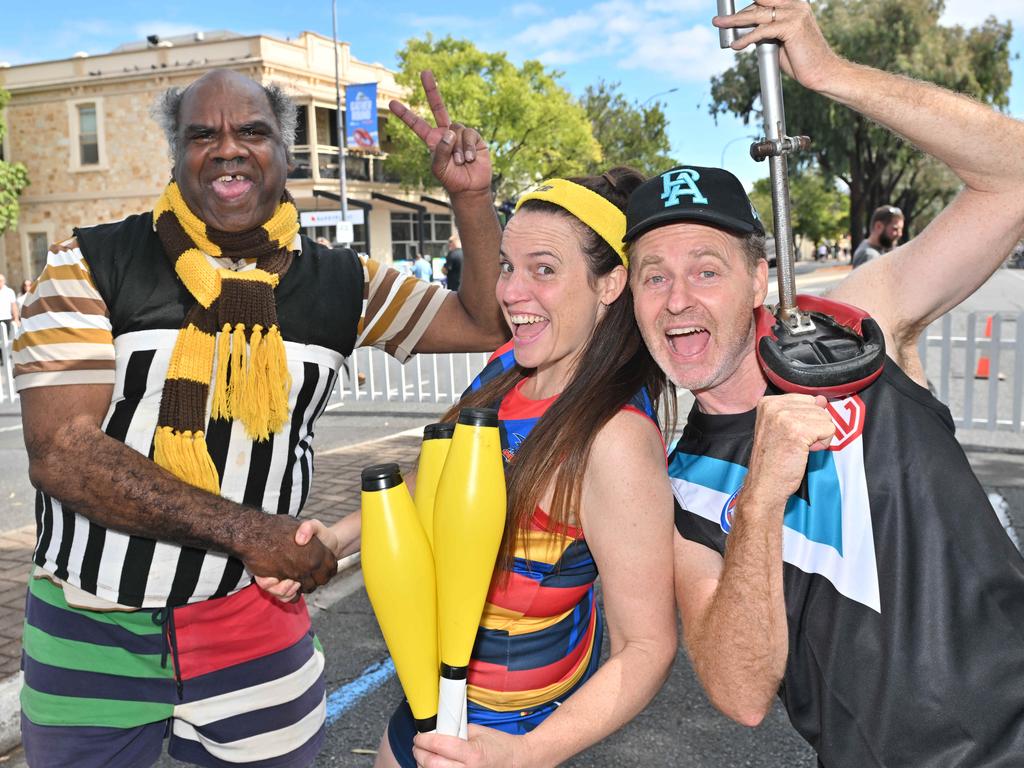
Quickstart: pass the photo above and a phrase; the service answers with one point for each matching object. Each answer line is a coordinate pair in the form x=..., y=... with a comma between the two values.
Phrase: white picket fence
x=975, y=364
x=7, y=393
x=951, y=350
x=374, y=375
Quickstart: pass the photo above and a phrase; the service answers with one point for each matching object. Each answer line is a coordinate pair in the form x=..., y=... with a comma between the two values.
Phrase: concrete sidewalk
x=997, y=458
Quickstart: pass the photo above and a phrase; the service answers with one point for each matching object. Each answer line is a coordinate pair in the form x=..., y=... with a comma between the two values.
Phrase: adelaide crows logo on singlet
x=826, y=530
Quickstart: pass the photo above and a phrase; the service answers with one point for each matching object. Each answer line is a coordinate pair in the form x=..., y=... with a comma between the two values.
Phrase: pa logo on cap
x=681, y=182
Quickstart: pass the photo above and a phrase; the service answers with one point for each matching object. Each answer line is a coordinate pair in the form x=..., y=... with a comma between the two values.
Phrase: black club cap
x=380, y=477
x=441, y=431
x=478, y=417
x=691, y=193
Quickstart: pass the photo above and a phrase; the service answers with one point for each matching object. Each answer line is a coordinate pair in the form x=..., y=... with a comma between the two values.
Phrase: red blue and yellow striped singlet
x=540, y=633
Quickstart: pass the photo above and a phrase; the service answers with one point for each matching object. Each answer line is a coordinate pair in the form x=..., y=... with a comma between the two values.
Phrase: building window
x=302, y=126
x=38, y=246
x=88, y=135
x=439, y=229
x=405, y=235
x=358, y=231
x=326, y=127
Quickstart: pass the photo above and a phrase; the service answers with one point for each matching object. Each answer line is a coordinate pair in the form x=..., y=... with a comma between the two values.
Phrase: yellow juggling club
x=399, y=573
x=469, y=518
x=437, y=439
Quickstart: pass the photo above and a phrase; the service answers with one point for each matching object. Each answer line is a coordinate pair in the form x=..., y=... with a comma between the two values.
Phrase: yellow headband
x=587, y=206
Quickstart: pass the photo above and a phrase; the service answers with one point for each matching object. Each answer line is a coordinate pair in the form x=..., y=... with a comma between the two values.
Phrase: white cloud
x=523, y=10
x=557, y=31
x=69, y=36
x=689, y=55
x=659, y=36
x=970, y=13
x=442, y=24
x=679, y=6
x=559, y=57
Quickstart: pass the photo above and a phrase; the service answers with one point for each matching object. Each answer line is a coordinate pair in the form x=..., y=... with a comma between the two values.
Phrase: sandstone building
x=83, y=129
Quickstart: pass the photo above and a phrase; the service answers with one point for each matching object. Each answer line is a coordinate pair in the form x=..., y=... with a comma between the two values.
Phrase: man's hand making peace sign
x=460, y=159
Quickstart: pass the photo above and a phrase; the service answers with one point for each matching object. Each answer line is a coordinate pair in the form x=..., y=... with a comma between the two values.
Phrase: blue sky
x=649, y=46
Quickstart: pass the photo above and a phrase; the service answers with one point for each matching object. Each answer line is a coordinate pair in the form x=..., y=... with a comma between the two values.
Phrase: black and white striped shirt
x=84, y=335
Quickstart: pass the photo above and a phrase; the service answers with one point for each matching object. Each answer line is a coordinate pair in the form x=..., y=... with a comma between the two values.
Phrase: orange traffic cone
x=982, y=370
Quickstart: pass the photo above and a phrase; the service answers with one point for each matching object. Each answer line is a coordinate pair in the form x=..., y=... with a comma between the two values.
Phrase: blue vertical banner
x=361, y=117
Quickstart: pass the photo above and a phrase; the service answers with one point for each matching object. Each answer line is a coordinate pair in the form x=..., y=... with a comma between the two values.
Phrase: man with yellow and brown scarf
x=171, y=370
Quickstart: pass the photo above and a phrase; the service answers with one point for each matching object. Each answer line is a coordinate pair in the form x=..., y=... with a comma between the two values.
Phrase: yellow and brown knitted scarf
x=247, y=364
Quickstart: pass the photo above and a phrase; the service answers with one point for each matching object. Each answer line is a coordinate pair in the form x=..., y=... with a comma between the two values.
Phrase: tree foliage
x=532, y=125
x=13, y=179
x=901, y=36
x=819, y=210
x=629, y=134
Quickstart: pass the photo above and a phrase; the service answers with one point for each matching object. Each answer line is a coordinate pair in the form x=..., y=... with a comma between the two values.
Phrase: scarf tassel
x=185, y=455
x=278, y=376
x=220, y=406
x=257, y=391
x=236, y=390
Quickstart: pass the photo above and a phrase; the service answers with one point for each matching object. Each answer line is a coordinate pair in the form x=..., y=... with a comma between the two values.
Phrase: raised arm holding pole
x=811, y=345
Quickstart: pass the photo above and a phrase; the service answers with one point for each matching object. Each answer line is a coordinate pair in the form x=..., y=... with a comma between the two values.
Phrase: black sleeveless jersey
x=319, y=303
x=904, y=596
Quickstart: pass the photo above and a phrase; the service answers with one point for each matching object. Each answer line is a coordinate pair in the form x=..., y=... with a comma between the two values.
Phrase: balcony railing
x=323, y=164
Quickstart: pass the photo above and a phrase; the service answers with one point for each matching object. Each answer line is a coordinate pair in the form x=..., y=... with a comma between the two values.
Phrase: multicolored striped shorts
x=233, y=681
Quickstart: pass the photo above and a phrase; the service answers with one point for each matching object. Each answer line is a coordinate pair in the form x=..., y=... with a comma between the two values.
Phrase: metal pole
x=775, y=130
x=774, y=148
x=343, y=193
x=727, y=35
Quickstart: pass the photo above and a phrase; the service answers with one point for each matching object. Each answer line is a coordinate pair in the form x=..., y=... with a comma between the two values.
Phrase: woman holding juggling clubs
x=587, y=493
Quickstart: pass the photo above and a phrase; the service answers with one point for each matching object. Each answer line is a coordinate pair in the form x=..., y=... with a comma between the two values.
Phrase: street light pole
x=661, y=93
x=721, y=162
x=341, y=129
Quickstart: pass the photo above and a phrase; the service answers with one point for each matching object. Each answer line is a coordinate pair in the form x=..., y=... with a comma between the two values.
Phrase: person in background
x=9, y=309
x=26, y=286
x=421, y=268
x=886, y=229
x=452, y=268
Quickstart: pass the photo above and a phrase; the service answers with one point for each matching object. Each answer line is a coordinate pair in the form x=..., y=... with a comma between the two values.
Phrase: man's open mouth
x=688, y=341
x=231, y=186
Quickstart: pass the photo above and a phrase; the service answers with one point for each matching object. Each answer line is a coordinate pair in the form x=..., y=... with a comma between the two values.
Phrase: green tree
x=901, y=36
x=532, y=125
x=629, y=134
x=819, y=210
x=13, y=179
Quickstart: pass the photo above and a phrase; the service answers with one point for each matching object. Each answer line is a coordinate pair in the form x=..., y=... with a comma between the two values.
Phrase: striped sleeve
x=65, y=335
x=397, y=309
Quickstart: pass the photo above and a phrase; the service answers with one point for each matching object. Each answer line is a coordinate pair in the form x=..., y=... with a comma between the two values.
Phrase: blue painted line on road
x=373, y=677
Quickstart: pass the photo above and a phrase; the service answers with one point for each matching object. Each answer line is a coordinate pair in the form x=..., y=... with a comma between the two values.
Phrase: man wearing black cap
x=841, y=554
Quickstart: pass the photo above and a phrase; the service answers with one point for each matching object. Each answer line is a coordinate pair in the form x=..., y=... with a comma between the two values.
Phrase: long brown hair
x=613, y=367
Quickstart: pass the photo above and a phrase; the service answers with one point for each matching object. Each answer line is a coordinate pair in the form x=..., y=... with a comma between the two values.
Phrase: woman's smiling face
x=550, y=299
